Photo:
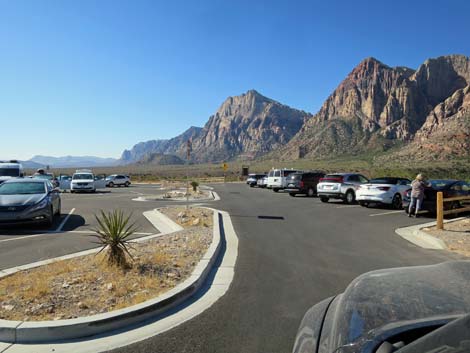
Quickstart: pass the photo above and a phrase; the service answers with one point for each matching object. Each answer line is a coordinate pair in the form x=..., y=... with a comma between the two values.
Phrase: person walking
x=417, y=194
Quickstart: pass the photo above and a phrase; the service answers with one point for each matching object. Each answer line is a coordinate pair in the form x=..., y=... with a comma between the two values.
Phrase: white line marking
x=347, y=206
x=65, y=220
x=26, y=236
x=385, y=213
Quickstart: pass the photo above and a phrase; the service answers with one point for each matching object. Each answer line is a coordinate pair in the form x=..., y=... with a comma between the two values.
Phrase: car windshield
x=11, y=172
x=82, y=177
x=109, y=177
x=43, y=176
x=22, y=188
x=441, y=184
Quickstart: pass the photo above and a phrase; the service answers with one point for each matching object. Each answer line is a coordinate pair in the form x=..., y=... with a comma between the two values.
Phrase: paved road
x=293, y=252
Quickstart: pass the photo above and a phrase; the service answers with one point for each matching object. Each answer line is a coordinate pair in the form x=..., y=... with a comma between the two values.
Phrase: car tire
x=310, y=192
x=127, y=184
x=50, y=219
x=324, y=199
x=111, y=184
x=397, y=202
x=251, y=185
x=292, y=194
x=275, y=190
x=350, y=197
x=59, y=209
x=72, y=191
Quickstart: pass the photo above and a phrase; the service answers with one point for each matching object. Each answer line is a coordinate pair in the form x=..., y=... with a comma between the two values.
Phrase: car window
x=271, y=173
x=362, y=178
x=353, y=178
x=457, y=187
x=277, y=173
x=466, y=187
x=22, y=188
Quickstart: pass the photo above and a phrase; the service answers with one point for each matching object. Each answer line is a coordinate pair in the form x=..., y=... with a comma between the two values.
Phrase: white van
x=277, y=178
x=85, y=180
x=10, y=169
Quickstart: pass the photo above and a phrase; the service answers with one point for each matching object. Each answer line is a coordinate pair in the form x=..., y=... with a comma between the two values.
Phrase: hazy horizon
x=93, y=78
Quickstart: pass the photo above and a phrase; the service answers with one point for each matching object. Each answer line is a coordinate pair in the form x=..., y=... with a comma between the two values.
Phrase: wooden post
x=440, y=211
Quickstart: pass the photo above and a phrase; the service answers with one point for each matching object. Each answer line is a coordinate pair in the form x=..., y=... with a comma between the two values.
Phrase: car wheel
x=251, y=185
x=292, y=194
x=59, y=209
x=453, y=206
x=396, y=202
x=310, y=192
x=127, y=184
x=111, y=184
x=50, y=217
x=350, y=197
x=276, y=190
x=72, y=191
x=324, y=199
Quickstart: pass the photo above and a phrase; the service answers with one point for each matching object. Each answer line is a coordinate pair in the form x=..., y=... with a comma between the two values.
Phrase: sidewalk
x=456, y=235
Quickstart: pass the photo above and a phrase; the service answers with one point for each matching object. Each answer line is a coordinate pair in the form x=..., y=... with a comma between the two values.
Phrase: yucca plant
x=114, y=229
x=194, y=184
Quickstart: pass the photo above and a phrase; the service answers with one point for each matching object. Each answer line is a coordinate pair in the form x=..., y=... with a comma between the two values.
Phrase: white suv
x=10, y=169
x=341, y=186
x=118, y=180
x=83, y=180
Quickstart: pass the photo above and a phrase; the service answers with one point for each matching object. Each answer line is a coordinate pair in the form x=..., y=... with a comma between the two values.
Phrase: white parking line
x=385, y=213
x=347, y=206
x=25, y=237
x=65, y=220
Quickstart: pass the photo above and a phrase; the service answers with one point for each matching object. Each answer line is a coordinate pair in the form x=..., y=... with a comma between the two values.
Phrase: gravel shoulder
x=456, y=236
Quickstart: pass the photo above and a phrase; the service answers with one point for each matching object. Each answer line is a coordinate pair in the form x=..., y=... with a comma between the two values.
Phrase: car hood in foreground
x=20, y=200
x=384, y=303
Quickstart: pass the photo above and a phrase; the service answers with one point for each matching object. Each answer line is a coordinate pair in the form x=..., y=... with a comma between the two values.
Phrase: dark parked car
x=449, y=188
x=303, y=183
x=28, y=200
x=405, y=310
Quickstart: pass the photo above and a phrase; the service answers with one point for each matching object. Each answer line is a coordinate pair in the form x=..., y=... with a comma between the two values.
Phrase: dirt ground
x=456, y=235
x=87, y=285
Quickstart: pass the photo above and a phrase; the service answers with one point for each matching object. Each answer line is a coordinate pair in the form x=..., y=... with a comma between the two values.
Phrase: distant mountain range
x=69, y=162
x=421, y=114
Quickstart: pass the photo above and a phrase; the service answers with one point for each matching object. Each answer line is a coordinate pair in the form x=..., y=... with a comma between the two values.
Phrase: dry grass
x=87, y=285
x=187, y=217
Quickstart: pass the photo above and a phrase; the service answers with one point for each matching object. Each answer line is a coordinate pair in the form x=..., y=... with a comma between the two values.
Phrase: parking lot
x=70, y=232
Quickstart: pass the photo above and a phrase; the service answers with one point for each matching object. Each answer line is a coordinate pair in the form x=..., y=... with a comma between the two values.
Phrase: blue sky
x=96, y=77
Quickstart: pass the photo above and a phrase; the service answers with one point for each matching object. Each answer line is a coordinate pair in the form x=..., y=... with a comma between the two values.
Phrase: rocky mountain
x=143, y=150
x=160, y=159
x=377, y=107
x=74, y=161
x=245, y=126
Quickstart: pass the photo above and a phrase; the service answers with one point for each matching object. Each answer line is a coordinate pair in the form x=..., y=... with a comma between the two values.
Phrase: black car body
x=303, y=183
x=388, y=308
x=449, y=188
x=27, y=200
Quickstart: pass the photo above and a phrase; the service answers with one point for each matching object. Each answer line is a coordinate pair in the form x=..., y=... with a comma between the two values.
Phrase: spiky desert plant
x=113, y=232
x=194, y=184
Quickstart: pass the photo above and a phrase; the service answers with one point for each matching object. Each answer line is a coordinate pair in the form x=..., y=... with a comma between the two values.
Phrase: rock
x=65, y=285
x=110, y=286
x=58, y=317
x=82, y=305
x=8, y=307
x=181, y=215
x=196, y=221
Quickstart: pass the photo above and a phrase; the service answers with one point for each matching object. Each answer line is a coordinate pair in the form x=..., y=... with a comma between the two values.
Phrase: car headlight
x=40, y=205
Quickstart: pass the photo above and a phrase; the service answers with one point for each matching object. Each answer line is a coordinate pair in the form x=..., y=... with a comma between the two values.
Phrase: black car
x=449, y=188
x=404, y=310
x=303, y=183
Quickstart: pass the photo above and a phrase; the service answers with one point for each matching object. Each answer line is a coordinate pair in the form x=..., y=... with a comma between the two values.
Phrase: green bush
x=194, y=184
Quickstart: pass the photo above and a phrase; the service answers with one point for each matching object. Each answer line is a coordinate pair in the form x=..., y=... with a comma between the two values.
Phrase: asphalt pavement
x=293, y=252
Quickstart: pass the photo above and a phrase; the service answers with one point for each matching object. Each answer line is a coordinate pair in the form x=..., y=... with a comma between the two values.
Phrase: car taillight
x=301, y=184
x=384, y=188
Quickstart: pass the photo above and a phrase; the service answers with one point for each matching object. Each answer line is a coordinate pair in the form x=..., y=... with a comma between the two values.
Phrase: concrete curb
x=415, y=235
x=213, y=197
x=161, y=222
x=18, y=332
